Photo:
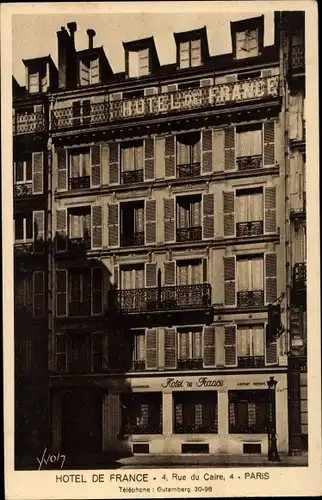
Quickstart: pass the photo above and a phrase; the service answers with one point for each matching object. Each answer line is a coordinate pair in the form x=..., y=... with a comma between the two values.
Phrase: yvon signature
x=51, y=459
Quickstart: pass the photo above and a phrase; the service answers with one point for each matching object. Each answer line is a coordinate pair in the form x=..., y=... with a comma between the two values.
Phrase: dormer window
x=190, y=54
x=37, y=80
x=247, y=44
x=89, y=71
x=139, y=63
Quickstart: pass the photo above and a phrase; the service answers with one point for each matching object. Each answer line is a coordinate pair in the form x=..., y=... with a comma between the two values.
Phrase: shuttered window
x=89, y=71
x=190, y=54
x=249, y=143
x=188, y=148
x=23, y=294
x=250, y=281
x=80, y=223
x=249, y=206
x=189, y=343
x=132, y=157
x=79, y=288
x=250, y=344
x=170, y=348
x=79, y=163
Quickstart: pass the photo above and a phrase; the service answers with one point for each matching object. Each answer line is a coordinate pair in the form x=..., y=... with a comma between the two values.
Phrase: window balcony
x=249, y=162
x=79, y=182
x=190, y=364
x=250, y=298
x=132, y=176
x=23, y=247
x=189, y=234
x=250, y=228
x=189, y=170
x=79, y=245
x=132, y=240
x=251, y=361
x=28, y=123
x=22, y=190
x=79, y=308
x=168, y=298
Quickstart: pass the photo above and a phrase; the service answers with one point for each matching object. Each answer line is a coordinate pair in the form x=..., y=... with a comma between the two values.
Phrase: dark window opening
x=248, y=412
x=132, y=224
x=142, y=413
x=195, y=412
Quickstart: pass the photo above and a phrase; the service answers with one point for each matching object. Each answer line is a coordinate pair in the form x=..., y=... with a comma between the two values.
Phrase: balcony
x=159, y=105
x=250, y=228
x=249, y=162
x=251, y=361
x=132, y=240
x=163, y=299
x=189, y=170
x=189, y=234
x=22, y=190
x=79, y=308
x=79, y=182
x=190, y=364
x=132, y=176
x=28, y=123
x=298, y=58
x=23, y=248
x=250, y=298
x=79, y=245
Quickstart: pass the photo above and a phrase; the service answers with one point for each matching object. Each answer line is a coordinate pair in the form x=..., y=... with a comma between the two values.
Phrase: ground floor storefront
x=298, y=403
x=171, y=415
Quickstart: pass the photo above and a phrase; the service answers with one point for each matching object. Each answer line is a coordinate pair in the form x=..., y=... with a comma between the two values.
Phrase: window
x=37, y=80
x=248, y=412
x=132, y=224
x=195, y=412
x=79, y=169
x=79, y=293
x=189, y=272
x=80, y=224
x=132, y=277
x=249, y=147
x=138, y=63
x=132, y=282
x=250, y=346
x=89, y=71
x=188, y=154
x=33, y=82
x=250, y=281
x=189, y=218
x=190, y=54
x=132, y=163
x=23, y=227
x=23, y=171
x=190, y=348
x=247, y=44
x=139, y=350
x=23, y=290
x=249, y=212
x=142, y=413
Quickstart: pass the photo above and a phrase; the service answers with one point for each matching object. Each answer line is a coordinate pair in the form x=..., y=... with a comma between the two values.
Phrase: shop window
x=195, y=412
x=248, y=412
x=142, y=413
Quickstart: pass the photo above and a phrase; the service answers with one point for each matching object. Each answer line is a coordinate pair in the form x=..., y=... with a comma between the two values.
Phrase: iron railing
x=247, y=429
x=190, y=364
x=251, y=361
x=169, y=102
x=142, y=300
x=142, y=429
x=138, y=366
x=250, y=228
x=298, y=57
x=132, y=240
x=79, y=244
x=79, y=308
x=83, y=182
x=195, y=429
x=189, y=170
x=189, y=233
x=28, y=123
x=299, y=276
x=24, y=247
x=250, y=298
x=22, y=190
x=249, y=162
x=132, y=176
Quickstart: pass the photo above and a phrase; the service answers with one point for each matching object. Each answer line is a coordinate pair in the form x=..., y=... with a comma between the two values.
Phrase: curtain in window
x=183, y=153
x=250, y=341
x=87, y=226
x=133, y=64
x=196, y=345
x=250, y=274
x=138, y=157
x=195, y=52
x=127, y=279
x=127, y=159
x=196, y=152
x=184, y=345
x=249, y=207
x=195, y=210
x=140, y=347
x=183, y=275
x=244, y=342
x=256, y=206
x=76, y=226
x=182, y=216
x=249, y=143
x=139, y=278
x=85, y=164
x=74, y=164
x=243, y=275
x=257, y=271
x=195, y=274
x=139, y=220
x=258, y=341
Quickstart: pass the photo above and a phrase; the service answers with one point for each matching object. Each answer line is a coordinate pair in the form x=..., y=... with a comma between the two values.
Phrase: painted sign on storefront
x=173, y=382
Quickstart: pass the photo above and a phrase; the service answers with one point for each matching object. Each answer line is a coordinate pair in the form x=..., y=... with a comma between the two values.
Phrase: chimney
x=91, y=34
x=63, y=43
x=72, y=29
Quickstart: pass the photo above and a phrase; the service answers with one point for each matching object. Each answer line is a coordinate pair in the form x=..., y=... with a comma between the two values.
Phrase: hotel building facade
x=159, y=206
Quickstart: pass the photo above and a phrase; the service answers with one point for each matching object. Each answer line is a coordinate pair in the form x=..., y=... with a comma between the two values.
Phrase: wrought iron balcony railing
x=298, y=57
x=170, y=102
x=79, y=244
x=189, y=170
x=79, y=308
x=190, y=364
x=251, y=361
x=250, y=228
x=250, y=298
x=28, y=123
x=248, y=429
x=138, y=366
x=299, y=276
x=23, y=247
x=22, y=190
x=80, y=182
x=189, y=233
x=195, y=429
x=249, y=162
x=132, y=240
x=168, y=298
x=132, y=176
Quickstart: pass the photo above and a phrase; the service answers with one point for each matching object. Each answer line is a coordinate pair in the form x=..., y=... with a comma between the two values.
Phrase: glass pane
x=257, y=272
x=74, y=164
x=28, y=170
x=19, y=171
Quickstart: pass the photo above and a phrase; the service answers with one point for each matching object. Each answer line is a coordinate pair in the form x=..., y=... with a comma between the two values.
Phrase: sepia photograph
x=159, y=203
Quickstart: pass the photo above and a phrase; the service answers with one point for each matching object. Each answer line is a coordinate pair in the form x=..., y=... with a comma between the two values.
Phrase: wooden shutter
x=149, y=159
x=229, y=213
x=169, y=273
x=229, y=281
x=38, y=293
x=218, y=150
x=150, y=221
x=170, y=348
x=38, y=230
x=113, y=225
x=37, y=173
x=97, y=290
x=168, y=218
x=270, y=209
x=209, y=346
x=151, y=352
x=96, y=226
x=208, y=207
x=95, y=165
x=61, y=169
x=230, y=345
x=206, y=158
x=269, y=143
x=150, y=274
x=270, y=278
x=230, y=148
x=270, y=349
x=114, y=163
x=61, y=292
x=170, y=167
x=61, y=229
